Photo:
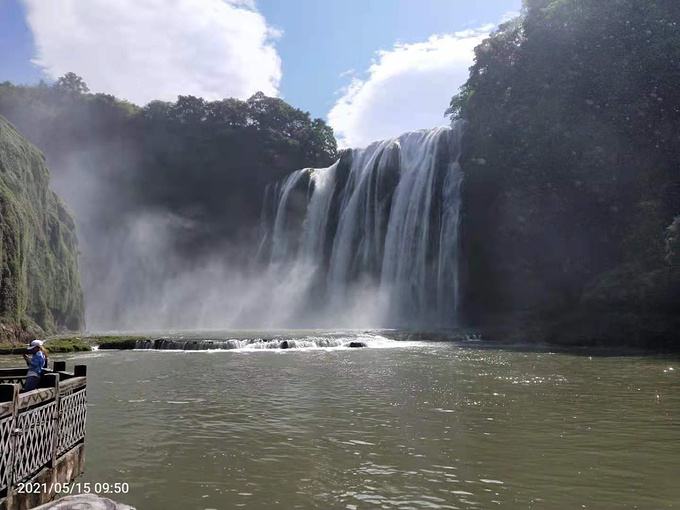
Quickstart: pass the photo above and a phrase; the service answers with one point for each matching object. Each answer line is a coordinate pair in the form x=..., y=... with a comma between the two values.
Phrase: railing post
x=59, y=366
x=52, y=381
x=7, y=392
x=10, y=393
x=80, y=371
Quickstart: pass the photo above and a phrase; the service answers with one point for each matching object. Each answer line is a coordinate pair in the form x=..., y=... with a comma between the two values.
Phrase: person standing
x=36, y=364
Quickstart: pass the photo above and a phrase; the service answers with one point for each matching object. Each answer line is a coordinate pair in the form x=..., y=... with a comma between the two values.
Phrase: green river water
x=403, y=425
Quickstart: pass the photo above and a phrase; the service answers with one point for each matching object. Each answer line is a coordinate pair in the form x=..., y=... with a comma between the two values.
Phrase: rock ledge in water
x=357, y=344
x=84, y=502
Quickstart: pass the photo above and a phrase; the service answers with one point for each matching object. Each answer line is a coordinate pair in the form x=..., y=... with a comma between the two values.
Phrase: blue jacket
x=36, y=365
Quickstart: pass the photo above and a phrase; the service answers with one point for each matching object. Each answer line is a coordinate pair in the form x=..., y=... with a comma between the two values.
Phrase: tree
x=72, y=83
x=571, y=157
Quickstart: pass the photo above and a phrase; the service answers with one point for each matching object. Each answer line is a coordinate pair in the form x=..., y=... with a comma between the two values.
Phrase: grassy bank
x=65, y=344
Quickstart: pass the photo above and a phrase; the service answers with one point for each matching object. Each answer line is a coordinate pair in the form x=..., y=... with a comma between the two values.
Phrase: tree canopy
x=208, y=160
x=72, y=83
x=572, y=159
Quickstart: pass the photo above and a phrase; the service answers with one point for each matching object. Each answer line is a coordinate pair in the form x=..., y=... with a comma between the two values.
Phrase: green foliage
x=571, y=159
x=204, y=162
x=86, y=343
x=65, y=344
x=39, y=279
x=61, y=345
x=116, y=343
x=71, y=83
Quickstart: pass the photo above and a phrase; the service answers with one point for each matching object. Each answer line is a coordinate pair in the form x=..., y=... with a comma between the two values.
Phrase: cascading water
x=374, y=237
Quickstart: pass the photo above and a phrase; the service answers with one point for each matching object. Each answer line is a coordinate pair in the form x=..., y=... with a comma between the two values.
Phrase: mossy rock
x=39, y=280
x=118, y=343
x=104, y=342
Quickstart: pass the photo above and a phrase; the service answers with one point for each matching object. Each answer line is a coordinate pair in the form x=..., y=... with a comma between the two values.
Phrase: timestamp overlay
x=72, y=488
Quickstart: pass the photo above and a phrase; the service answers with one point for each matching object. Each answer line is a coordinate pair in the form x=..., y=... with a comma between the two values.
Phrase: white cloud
x=156, y=49
x=408, y=87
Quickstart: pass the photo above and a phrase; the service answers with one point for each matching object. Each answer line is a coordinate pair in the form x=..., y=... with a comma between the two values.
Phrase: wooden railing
x=39, y=427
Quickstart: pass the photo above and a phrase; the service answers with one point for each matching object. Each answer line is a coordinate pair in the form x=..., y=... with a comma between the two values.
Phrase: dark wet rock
x=357, y=344
x=285, y=344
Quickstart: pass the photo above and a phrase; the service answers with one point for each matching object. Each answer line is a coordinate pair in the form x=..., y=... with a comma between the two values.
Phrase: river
x=407, y=425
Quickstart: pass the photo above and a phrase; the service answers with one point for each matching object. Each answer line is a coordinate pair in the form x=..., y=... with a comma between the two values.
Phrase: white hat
x=35, y=343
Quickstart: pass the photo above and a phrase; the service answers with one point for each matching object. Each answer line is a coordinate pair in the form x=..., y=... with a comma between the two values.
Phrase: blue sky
x=16, y=45
x=307, y=51
x=324, y=38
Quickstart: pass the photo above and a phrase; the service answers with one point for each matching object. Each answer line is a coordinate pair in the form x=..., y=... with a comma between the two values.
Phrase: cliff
x=572, y=190
x=39, y=280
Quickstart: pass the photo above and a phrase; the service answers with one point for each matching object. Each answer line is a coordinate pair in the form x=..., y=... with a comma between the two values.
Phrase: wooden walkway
x=42, y=434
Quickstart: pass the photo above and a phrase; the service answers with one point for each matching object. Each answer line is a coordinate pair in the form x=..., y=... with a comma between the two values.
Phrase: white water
x=284, y=341
x=371, y=240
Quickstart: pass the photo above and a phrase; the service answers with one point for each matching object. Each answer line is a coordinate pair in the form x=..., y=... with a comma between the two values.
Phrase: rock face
x=84, y=502
x=39, y=280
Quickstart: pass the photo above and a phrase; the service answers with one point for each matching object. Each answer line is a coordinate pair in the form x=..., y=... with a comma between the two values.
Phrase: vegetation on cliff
x=205, y=162
x=572, y=162
x=39, y=280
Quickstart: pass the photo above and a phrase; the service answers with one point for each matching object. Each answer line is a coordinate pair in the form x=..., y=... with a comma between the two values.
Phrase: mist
x=138, y=280
x=167, y=200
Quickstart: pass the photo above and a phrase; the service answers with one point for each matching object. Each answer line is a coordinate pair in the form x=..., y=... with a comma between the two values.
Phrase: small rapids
x=279, y=342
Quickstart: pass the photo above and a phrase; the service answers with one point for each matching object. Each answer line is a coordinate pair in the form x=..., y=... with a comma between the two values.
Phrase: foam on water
x=281, y=343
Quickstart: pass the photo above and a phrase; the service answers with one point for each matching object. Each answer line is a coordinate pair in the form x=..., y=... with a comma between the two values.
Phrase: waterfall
x=375, y=234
